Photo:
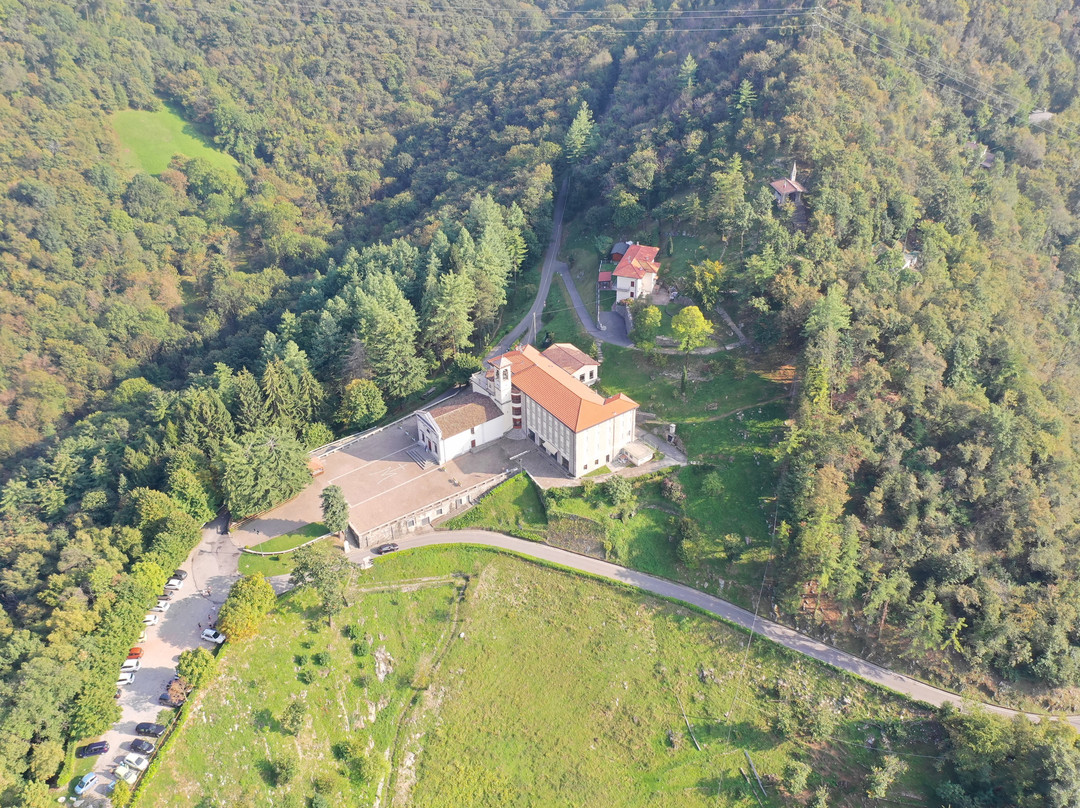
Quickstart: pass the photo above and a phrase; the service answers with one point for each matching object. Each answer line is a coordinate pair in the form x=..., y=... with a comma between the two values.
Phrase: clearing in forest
x=149, y=140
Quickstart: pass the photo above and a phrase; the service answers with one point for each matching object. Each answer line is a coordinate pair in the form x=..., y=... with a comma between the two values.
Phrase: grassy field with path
x=148, y=140
x=549, y=689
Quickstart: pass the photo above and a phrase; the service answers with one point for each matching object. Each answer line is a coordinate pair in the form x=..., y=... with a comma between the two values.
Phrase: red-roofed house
x=788, y=190
x=636, y=272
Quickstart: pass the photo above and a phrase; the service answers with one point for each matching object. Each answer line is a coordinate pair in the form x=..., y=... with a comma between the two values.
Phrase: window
x=585, y=467
x=592, y=374
x=607, y=458
x=472, y=443
x=517, y=423
x=472, y=430
x=581, y=378
x=439, y=512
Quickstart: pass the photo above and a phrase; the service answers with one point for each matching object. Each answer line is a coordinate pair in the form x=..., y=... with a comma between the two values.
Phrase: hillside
x=363, y=205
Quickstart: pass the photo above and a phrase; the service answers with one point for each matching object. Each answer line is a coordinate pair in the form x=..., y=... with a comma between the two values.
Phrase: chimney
x=794, y=169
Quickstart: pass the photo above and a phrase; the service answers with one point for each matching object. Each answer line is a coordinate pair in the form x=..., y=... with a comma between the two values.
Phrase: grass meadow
x=528, y=686
x=514, y=507
x=279, y=564
x=719, y=380
x=148, y=140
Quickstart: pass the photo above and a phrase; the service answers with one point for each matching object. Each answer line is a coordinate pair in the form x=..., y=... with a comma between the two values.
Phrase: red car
x=135, y=653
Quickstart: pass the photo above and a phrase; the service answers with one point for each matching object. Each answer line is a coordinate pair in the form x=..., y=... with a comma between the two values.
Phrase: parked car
x=136, y=762
x=383, y=549
x=88, y=781
x=150, y=620
x=165, y=700
x=142, y=637
x=92, y=749
x=215, y=637
x=125, y=678
x=142, y=747
x=151, y=730
x=131, y=665
x=179, y=574
x=135, y=653
x=126, y=773
x=162, y=606
x=174, y=584
x=166, y=595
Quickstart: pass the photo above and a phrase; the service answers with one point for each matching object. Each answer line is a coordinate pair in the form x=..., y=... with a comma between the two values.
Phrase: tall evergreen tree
x=579, y=137
x=335, y=509
x=261, y=469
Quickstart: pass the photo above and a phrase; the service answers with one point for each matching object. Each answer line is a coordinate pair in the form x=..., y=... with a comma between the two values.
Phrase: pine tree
x=361, y=404
x=335, y=509
x=262, y=469
x=687, y=72
x=250, y=412
x=579, y=137
x=448, y=326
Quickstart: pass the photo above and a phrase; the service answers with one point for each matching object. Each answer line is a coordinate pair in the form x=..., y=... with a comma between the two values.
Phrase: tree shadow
x=264, y=720
x=739, y=734
x=266, y=771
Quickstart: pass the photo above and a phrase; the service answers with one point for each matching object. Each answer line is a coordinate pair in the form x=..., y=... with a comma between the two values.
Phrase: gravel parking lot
x=212, y=566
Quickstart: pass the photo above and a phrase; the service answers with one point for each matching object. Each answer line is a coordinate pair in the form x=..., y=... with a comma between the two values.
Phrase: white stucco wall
x=447, y=449
x=599, y=445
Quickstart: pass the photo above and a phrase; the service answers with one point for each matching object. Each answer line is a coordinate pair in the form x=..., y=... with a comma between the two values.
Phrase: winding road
x=782, y=635
x=528, y=329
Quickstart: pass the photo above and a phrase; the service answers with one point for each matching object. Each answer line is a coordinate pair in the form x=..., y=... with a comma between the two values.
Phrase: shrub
x=796, y=776
x=319, y=801
x=618, y=490
x=671, y=489
x=322, y=659
x=713, y=484
x=306, y=676
x=285, y=767
x=354, y=632
x=292, y=717
x=121, y=795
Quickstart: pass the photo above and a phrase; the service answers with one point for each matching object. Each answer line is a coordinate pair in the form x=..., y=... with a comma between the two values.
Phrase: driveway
x=782, y=635
x=212, y=566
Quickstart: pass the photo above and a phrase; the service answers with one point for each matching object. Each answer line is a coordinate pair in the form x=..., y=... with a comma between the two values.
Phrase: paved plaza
x=382, y=483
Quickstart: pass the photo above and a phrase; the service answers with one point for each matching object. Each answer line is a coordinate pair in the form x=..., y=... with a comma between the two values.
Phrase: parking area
x=211, y=571
x=381, y=483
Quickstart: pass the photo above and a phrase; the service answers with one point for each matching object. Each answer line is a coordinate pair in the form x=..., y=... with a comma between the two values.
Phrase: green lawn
x=148, y=140
x=715, y=379
x=279, y=564
x=559, y=320
x=741, y=454
x=513, y=507
x=590, y=709
x=226, y=749
x=550, y=689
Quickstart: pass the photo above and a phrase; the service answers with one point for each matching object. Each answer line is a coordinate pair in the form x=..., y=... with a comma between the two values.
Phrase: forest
x=172, y=343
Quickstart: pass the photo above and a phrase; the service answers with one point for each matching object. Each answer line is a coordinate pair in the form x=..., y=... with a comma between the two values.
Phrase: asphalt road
x=782, y=635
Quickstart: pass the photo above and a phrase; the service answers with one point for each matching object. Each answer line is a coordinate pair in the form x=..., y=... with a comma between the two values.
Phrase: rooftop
x=786, y=186
x=569, y=357
x=463, y=411
x=570, y=401
x=637, y=261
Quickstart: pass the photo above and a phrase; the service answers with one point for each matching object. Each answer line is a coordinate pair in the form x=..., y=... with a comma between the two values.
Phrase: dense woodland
x=173, y=343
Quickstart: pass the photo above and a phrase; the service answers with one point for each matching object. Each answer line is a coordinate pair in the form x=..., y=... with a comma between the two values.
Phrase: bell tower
x=501, y=381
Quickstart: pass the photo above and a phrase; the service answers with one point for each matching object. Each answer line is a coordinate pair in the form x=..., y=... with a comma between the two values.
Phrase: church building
x=542, y=397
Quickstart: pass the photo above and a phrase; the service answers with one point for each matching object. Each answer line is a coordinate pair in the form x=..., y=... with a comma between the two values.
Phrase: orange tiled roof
x=571, y=402
x=637, y=261
x=568, y=357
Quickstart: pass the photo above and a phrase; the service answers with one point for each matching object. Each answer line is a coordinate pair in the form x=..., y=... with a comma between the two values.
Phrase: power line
x=989, y=95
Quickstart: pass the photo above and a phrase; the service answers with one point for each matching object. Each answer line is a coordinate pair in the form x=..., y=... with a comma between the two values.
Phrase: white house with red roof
x=635, y=274
x=788, y=190
x=543, y=397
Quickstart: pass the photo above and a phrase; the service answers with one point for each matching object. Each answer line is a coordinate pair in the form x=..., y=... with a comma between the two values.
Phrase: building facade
x=543, y=397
